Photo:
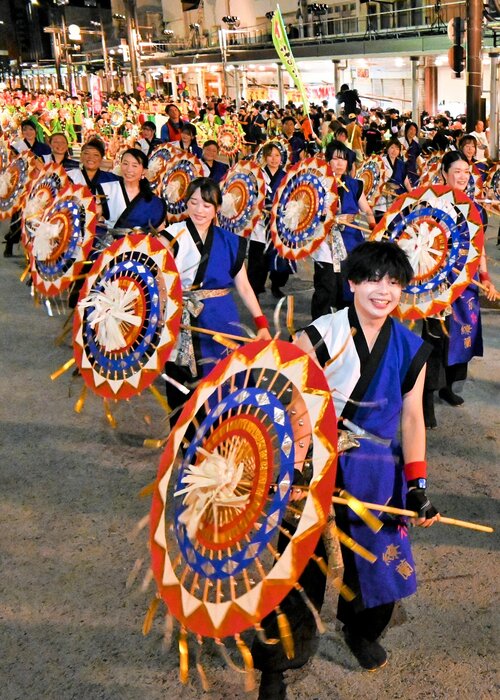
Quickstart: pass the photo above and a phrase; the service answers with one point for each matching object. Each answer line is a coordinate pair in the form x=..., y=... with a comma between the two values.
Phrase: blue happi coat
x=368, y=390
x=211, y=265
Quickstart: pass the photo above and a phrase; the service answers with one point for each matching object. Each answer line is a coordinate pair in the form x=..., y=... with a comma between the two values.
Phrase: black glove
x=417, y=500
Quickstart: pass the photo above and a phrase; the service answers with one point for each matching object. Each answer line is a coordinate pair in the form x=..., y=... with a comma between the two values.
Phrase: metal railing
x=404, y=19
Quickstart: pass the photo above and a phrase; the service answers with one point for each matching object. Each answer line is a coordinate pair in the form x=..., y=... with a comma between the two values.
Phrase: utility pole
x=473, y=66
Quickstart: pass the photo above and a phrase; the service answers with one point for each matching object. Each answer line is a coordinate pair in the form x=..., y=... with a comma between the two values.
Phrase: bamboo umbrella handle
x=413, y=514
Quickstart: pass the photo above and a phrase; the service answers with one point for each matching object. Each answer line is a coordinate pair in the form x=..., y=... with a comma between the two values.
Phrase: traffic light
x=456, y=54
x=456, y=59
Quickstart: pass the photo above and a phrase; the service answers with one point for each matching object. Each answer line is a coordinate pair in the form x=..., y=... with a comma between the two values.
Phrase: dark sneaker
x=277, y=293
x=272, y=686
x=370, y=655
x=450, y=397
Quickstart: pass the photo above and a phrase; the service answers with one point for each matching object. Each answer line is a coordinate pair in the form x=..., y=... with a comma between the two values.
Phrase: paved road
x=68, y=504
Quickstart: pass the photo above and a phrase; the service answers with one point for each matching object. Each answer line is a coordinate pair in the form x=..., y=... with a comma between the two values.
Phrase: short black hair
x=373, y=260
x=28, y=122
x=451, y=157
x=136, y=153
x=188, y=128
x=97, y=144
x=149, y=125
x=336, y=148
x=211, y=142
x=287, y=119
x=209, y=190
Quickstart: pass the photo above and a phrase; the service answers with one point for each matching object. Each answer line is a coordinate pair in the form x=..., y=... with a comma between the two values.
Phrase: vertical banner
x=95, y=91
x=282, y=46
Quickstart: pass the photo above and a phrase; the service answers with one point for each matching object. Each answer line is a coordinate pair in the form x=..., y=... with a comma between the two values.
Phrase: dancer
x=131, y=201
x=210, y=261
x=376, y=381
x=329, y=289
x=260, y=258
x=461, y=338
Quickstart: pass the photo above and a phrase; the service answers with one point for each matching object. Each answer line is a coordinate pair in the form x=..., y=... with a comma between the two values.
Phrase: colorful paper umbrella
x=42, y=195
x=128, y=316
x=62, y=241
x=158, y=163
x=229, y=140
x=5, y=155
x=492, y=182
x=181, y=170
x=303, y=208
x=224, y=486
x=243, y=198
x=373, y=174
x=441, y=231
x=14, y=183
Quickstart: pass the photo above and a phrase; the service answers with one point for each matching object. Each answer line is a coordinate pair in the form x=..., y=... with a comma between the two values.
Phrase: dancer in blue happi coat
x=330, y=290
x=210, y=261
x=397, y=181
x=461, y=339
x=263, y=258
x=375, y=368
x=413, y=149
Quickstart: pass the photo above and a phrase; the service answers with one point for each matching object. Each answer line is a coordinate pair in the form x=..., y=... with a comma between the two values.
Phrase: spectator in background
x=171, y=130
x=481, y=141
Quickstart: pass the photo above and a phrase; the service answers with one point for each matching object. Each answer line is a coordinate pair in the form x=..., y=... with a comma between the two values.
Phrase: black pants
x=328, y=290
x=439, y=374
x=258, y=269
x=272, y=657
x=257, y=266
x=14, y=234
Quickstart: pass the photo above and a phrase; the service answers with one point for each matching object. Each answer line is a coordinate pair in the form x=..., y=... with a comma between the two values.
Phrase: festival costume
x=413, y=151
x=329, y=289
x=136, y=213
x=80, y=177
x=455, y=340
x=373, y=471
x=147, y=147
x=208, y=269
x=67, y=162
x=216, y=171
x=14, y=234
x=260, y=263
x=370, y=472
x=396, y=175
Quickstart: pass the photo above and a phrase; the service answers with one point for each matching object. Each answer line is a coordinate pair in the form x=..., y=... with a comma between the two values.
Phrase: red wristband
x=416, y=470
x=484, y=277
x=260, y=322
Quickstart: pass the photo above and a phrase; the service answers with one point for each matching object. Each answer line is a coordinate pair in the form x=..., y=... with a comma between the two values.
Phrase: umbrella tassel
x=81, y=400
x=148, y=620
x=361, y=511
x=63, y=369
x=355, y=547
x=184, y=656
x=199, y=667
x=24, y=273
x=168, y=631
x=312, y=608
x=134, y=573
x=109, y=416
x=160, y=398
x=147, y=490
x=286, y=635
x=248, y=663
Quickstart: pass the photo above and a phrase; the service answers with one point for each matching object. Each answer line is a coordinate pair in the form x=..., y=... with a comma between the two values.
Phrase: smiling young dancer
x=376, y=378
